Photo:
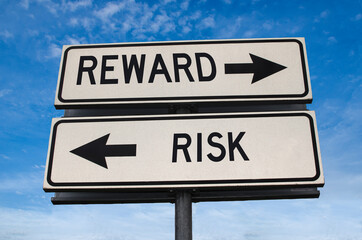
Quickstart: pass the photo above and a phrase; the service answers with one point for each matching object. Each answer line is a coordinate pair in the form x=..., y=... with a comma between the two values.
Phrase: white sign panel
x=176, y=151
x=184, y=72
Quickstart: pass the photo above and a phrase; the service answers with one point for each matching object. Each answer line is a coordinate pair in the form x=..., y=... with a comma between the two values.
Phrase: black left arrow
x=96, y=151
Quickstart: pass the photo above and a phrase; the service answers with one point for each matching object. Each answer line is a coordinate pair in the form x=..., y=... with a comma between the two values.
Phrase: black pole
x=183, y=216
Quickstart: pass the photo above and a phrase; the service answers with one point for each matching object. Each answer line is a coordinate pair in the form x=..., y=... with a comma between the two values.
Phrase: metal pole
x=183, y=216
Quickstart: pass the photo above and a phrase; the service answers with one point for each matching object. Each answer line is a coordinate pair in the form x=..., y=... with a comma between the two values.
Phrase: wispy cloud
x=3, y=156
x=207, y=22
x=276, y=219
x=323, y=15
x=94, y=222
x=85, y=22
x=185, y=4
x=249, y=33
x=168, y=1
x=109, y=10
x=268, y=25
x=145, y=21
x=74, y=5
x=21, y=182
x=57, y=6
x=163, y=23
x=332, y=40
x=4, y=92
x=357, y=17
x=6, y=34
x=74, y=40
x=54, y=51
x=51, y=6
x=24, y=4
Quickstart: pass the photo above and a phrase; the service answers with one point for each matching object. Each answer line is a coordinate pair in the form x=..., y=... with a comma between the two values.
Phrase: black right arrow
x=97, y=151
x=261, y=68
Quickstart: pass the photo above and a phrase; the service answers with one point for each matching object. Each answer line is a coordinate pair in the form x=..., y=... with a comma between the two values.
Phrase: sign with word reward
x=177, y=151
x=260, y=70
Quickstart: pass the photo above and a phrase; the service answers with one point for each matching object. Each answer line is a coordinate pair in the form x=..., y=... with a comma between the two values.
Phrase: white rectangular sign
x=183, y=72
x=177, y=151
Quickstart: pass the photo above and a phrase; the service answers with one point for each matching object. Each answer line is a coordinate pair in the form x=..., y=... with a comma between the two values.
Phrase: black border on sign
x=198, y=183
x=105, y=101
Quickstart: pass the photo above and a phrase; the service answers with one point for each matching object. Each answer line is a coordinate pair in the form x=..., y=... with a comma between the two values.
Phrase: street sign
x=184, y=151
x=262, y=70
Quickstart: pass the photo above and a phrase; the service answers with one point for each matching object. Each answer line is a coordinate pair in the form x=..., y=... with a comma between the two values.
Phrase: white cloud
x=55, y=7
x=207, y=22
x=162, y=23
x=6, y=34
x=4, y=156
x=24, y=4
x=185, y=4
x=54, y=51
x=294, y=29
x=322, y=15
x=357, y=17
x=249, y=33
x=332, y=40
x=74, y=22
x=74, y=40
x=74, y=5
x=145, y=15
x=85, y=22
x=33, y=33
x=119, y=17
x=109, y=10
x=93, y=222
x=168, y=1
x=268, y=25
x=145, y=21
x=277, y=219
x=21, y=182
x=187, y=22
x=231, y=28
x=186, y=29
x=4, y=92
x=51, y=6
x=196, y=15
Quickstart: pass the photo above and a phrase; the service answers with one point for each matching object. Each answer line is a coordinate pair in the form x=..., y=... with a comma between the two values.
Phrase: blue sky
x=32, y=33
